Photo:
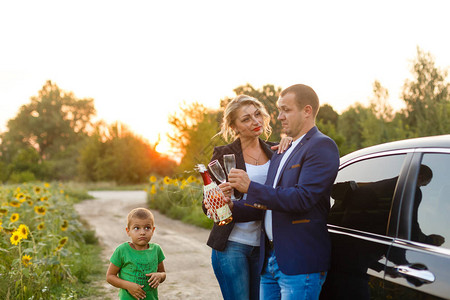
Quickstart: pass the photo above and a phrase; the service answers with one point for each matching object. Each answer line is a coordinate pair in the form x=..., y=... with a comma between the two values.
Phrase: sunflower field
x=178, y=198
x=45, y=252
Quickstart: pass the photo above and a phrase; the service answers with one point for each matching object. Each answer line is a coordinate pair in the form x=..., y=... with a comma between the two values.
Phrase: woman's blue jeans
x=236, y=270
x=276, y=285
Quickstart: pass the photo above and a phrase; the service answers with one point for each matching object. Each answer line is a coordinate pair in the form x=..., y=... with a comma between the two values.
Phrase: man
x=294, y=202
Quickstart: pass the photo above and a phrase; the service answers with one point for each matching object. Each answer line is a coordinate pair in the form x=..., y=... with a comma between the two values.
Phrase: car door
x=419, y=259
x=363, y=223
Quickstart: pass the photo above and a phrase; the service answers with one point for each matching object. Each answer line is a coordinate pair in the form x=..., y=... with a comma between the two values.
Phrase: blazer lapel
x=304, y=140
x=237, y=150
x=274, y=164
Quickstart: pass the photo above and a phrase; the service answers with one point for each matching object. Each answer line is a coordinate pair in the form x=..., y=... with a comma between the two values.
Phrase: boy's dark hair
x=140, y=213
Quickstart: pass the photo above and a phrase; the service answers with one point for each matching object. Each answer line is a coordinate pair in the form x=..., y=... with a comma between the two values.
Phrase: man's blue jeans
x=276, y=285
x=236, y=270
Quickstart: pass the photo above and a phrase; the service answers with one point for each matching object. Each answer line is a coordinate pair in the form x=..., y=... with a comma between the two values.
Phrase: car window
x=363, y=192
x=431, y=222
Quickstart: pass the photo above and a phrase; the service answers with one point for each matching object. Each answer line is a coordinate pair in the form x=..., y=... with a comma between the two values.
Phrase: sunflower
x=47, y=184
x=167, y=180
x=64, y=225
x=37, y=189
x=41, y=226
x=26, y=260
x=191, y=179
x=21, y=197
x=44, y=198
x=152, y=179
x=175, y=182
x=23, y=231
x=9, y=230
x=15, y=238
x=161, y=188
x=14, y=217
x=30, y=202
x=3, y=211
x=14, y=203
x=61, y=191
x=153, y=190
x=1, y=227
x=41, y=210
x=63, y=241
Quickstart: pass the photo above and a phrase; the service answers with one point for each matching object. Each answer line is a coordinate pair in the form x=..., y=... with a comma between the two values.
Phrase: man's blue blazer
x=300, y=204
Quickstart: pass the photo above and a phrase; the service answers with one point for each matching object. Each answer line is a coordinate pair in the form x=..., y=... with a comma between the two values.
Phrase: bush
x=19, y=177
x=178, y=198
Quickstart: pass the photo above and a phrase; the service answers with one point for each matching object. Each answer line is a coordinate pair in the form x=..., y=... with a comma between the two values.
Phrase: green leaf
x=4, y=250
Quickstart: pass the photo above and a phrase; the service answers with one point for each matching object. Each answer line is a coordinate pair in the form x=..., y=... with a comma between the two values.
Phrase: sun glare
x=163, y=147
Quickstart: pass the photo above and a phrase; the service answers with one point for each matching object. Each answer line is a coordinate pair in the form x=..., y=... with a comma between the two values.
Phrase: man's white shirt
x=268, y=218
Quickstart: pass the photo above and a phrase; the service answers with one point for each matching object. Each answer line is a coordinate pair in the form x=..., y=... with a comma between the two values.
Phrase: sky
x=140, y=60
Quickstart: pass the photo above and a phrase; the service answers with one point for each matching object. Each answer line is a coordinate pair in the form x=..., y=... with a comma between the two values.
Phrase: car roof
x=439, y=141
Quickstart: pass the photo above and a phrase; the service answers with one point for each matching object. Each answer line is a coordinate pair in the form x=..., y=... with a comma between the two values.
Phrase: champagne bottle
x=218, y=208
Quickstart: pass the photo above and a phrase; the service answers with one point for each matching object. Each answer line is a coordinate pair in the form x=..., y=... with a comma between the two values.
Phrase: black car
x=390, y=222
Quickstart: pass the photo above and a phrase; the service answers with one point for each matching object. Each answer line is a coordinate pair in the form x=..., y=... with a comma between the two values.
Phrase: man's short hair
x=304, y=95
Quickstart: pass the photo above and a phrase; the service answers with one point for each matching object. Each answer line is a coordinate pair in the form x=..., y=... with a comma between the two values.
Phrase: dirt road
x=188, y=267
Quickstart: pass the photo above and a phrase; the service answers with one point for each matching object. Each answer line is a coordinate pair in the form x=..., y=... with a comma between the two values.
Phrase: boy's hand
x=136, y=290
x=155, y=279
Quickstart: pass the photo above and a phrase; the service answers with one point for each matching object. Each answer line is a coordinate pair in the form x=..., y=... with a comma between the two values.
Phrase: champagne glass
x=229, y=162
x=217, y=171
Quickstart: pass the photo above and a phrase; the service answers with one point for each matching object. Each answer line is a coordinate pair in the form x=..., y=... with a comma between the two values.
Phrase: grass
x=104, y=186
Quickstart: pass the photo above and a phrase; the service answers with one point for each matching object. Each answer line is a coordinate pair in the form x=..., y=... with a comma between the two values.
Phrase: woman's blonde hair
x=229, y=116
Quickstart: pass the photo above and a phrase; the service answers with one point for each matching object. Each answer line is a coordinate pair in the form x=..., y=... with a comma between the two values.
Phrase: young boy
x=132, y=262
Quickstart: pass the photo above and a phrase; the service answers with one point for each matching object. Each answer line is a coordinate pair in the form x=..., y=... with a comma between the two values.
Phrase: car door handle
x=417, y=271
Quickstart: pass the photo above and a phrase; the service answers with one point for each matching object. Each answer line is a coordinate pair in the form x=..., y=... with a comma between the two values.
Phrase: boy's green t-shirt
x=134, y=264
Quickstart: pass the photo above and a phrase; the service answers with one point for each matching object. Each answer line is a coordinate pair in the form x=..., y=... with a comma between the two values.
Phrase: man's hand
x=239, y=180
x=136, y=290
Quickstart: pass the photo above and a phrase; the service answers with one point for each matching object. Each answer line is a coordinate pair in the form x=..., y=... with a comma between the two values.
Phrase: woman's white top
x=249, y=233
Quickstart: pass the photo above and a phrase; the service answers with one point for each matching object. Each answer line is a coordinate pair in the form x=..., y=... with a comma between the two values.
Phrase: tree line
x=426, y=113
x=54, y=137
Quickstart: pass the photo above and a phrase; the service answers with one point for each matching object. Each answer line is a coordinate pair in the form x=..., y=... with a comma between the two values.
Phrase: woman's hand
x=226, y=188
x=283, y=145
x=230, y=203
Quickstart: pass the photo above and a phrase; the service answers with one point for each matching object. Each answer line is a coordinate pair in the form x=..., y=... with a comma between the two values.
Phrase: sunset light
x=231, y=122
x=139, y=61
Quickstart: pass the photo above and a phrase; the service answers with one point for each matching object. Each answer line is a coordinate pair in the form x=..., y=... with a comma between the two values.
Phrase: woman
x=235, y=246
